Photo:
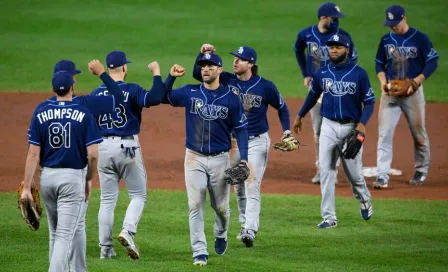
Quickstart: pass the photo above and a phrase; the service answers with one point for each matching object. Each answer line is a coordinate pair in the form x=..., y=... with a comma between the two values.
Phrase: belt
x=130, y=137
x=344, y=121
x=210, y=154
x=250, y=137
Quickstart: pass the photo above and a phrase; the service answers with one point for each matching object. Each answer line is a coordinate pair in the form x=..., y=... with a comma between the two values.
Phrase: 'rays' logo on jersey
x=403, y=51
x=318, y=52
x=206, y=111
x=338, y=88
x=248, y=100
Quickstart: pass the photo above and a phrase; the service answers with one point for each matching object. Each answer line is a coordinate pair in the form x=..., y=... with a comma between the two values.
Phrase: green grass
x=36, y=34
x=402, y=235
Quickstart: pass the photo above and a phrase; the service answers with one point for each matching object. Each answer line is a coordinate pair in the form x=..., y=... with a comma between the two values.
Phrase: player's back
x=126, y=119
x=63, y=131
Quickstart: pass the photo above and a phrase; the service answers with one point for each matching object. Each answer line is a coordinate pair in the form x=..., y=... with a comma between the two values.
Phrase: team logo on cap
x=390, y=16
x=337, y=8
x=240, y=50
x=207, y=56
x=111, y=65
x=335, y=38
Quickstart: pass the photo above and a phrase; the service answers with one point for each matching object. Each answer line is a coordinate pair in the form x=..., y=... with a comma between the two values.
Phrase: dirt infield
x=163, y=137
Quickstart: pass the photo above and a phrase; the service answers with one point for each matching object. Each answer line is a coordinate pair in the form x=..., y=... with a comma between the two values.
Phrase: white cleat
x=127, y=241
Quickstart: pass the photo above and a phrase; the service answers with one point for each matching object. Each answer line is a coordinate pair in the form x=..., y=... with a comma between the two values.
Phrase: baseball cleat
x=200, y=260
x=418, y=178
x=107, y=253
x=316, y=178
x=220, y=246
x=326, y=224
x=240, y=234
x=380, y=183
x=127, y=241
x=366, y=210
x=248, y=238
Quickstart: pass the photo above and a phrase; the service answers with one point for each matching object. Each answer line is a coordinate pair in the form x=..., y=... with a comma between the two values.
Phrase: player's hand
x=306, y=82
x=384, y=88
x=297, y=126
x=361, y=128
x=96, y=68
x=177, y=70
x=207, y=48
x=154, y=68
x=88, y=189
x=26, y=194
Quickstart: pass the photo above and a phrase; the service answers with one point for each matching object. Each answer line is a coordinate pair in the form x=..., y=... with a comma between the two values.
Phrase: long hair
x=254, y=70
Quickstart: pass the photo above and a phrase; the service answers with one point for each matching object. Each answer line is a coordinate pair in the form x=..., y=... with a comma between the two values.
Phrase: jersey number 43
x=109, y=122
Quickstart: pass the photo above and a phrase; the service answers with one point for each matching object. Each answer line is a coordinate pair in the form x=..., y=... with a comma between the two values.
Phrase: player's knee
x=222, y=210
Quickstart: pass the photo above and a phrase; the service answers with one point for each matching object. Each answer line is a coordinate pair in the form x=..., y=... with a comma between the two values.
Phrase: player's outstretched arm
x=96, y=68
x=154, y=96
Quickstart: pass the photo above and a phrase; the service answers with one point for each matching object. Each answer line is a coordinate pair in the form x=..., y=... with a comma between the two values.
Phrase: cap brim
x=339, y=15
x=330, y=43
x=239, y=56
x=202, y=62
x=128, y=61
x=391, y=23
x=77, y=71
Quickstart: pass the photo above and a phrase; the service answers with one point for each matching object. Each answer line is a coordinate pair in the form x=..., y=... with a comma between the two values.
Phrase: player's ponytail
x=254, y=70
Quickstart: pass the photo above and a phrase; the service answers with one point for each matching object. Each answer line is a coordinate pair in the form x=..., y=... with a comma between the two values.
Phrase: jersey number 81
x=109, y=122
x=59, y=135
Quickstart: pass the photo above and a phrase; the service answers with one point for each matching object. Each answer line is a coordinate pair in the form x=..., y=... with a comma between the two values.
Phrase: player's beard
x=340, y=59
x=211, y=79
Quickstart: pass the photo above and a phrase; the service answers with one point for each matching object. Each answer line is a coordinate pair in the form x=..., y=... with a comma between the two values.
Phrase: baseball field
x=408, y=229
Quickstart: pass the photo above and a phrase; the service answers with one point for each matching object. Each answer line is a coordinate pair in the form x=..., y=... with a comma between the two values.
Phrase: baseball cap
x=339, y=39
x=66, y=65
x=62, y=81
x=116, y=59
x=210, y=58
x=394, y=15
x=329, y=9
x=246, y=53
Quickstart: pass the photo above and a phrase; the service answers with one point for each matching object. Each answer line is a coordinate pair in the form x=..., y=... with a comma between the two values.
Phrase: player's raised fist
x=154, y=68
x=96, y=68
x=207, y=48
x=177, y=70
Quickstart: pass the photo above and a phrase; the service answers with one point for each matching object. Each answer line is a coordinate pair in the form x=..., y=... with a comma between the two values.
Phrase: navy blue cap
x=210, y=58
x=246, y=53
x=116, y=59
x=66, y=65
x=394, y=15
x=62, y=81
x=330, y=10
x=339, y=39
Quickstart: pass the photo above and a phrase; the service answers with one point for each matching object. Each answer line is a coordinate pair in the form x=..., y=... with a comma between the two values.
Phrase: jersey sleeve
x=34, y=136
x=138, y=95
x=299, y=49
x=93, y=135
x=274, y=98
x=98, y=105
x=366, y=90
x=353, y=54
x=178, y=97
x=427, y=50
x=381, y=58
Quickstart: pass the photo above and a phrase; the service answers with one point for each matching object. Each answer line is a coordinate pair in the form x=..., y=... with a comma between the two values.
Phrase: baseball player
x=256, y=94
x=212, y=111
x=120, y=155
x=312, y=54
x=97, y=106
x=403, y=53
x=63, y=140
x=347, y=104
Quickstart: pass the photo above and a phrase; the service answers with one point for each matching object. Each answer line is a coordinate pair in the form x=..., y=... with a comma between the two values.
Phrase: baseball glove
x=237, y=174
x=351, y=144
x=288, y=143
x=400, y=87
x=30, y=209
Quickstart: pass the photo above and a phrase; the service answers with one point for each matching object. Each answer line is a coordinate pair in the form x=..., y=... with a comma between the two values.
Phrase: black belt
x=210, y=154
x=131, y=137
x=344, y=121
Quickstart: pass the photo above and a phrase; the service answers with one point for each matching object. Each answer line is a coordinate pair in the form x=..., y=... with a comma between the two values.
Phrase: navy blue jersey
x=126, y=118
x=312, y=42
x=64, y=130
x=256, y=94
x=210, y=115
x=413, y=47
x=346, y=89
